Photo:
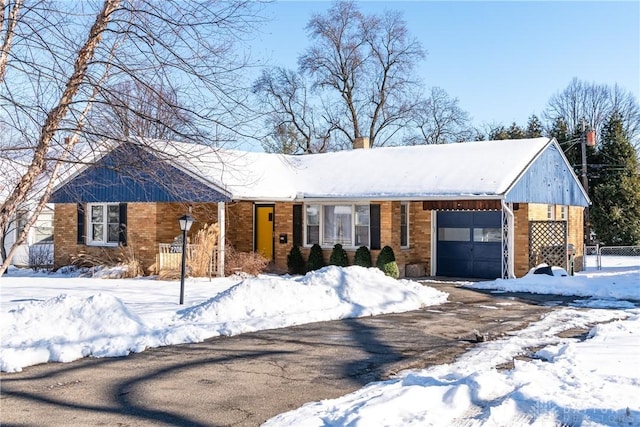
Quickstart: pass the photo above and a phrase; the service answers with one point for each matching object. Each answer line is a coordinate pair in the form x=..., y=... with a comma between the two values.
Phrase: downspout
x=221, y=237
x=506, y=210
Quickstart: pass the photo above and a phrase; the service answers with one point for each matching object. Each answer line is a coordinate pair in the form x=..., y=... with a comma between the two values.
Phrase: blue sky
x=502, y=60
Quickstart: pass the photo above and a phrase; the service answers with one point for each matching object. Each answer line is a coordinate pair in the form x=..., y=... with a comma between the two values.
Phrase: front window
x=337, y=225
x=362, y=225
x=313, y=224
x=104, y=224
x=332, y=224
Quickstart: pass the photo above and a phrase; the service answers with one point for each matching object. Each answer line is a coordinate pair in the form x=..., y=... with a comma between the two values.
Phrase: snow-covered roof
x=12, y=171
x=522, y=170
x=470, y=170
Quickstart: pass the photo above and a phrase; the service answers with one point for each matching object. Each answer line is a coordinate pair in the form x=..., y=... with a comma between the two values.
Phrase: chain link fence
x=612, y=256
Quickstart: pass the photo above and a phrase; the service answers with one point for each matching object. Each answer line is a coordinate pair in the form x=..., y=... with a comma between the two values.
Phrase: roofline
x=186, y=171
x=85, y=165
x=414, y=198
x=149, y=150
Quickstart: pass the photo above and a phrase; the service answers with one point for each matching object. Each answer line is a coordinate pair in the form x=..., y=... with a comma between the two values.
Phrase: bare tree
x=440, y=120
x=291, y=117
x=134, y=109
x=594, y=103
x=61, y=59
x=360, y=68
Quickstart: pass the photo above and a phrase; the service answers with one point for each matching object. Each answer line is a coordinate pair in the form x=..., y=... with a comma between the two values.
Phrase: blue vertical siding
x=132, y=174
x=549, y=180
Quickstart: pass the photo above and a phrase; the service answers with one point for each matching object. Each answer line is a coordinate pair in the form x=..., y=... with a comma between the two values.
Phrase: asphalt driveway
x=246, y=379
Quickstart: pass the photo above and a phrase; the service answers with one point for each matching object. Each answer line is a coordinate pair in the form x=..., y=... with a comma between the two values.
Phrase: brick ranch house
x=484, y=209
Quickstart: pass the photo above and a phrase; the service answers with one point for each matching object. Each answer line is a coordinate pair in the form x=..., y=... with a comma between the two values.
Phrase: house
x=482, y=209
x=37, y=249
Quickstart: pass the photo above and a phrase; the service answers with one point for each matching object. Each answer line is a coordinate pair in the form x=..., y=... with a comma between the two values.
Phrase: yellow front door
x=264, y=231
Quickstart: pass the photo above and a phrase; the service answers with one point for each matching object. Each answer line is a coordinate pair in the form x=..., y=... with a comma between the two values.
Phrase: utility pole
x=583, y=144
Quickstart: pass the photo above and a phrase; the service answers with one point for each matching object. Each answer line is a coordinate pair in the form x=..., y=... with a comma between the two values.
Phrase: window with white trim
x=103, y=224
x=404, y=225
x=551, y=213
x=346, y=224
x=44, y=227
x=564, y=212
x=362, y=220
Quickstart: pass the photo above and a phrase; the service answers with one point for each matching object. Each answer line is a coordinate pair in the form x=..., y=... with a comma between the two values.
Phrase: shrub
x=315, y=261
x=41, y=257
x=243, y=262
x=205, y=243
x=129, y=257
x=125, y=256
x=295, y=261
x=338, y=256
x=387, y=262
x=362, y=257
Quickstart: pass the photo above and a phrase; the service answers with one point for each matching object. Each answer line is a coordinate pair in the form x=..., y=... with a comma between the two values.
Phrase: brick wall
x=521, y=237
x=65, y=225
x=576, y=235
x=147, y=225
x=283, y=214
x=419, y=235
x=240, y=226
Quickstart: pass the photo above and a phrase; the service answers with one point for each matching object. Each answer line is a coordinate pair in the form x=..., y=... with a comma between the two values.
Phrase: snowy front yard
x=567, y=382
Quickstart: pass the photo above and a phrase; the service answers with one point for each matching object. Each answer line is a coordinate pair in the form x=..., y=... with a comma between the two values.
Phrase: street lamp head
x=185, y=222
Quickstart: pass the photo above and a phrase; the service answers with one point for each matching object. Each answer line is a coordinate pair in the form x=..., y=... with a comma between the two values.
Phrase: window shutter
x=374, y=226
x=122, y=235
x=297, y=225
x=81, y=225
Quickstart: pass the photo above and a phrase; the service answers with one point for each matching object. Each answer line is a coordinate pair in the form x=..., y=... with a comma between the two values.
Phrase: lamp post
x=185, y=224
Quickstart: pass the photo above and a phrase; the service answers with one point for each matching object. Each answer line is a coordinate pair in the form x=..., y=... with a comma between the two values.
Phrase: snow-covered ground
x=564, y=381
x=58, y=318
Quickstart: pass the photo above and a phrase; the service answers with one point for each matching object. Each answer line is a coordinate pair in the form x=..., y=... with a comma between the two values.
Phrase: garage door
x=469, y=244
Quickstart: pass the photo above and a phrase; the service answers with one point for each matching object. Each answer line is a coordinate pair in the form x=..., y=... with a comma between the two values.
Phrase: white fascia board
x=410, y=198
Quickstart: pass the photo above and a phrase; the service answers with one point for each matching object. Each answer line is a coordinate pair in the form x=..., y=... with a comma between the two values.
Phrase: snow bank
x=117, y=321
x=67, y=328
x=600, y=284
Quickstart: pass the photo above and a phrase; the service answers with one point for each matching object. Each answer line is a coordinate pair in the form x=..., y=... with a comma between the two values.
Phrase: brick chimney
x=361, y=142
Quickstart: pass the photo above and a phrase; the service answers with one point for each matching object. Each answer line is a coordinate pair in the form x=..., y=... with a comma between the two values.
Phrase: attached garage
x=469, y=244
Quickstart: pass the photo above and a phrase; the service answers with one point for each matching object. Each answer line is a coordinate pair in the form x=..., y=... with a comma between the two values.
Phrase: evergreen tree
x=515, y=132
x=362, y=257
x=295, y=261
x=512, y=132
x=572, y=146
x=559, y=130
x=387, y=262
x=534, y=127
x=497, y=133
x=615, y=214
x=338, y=256
x=315, y=261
